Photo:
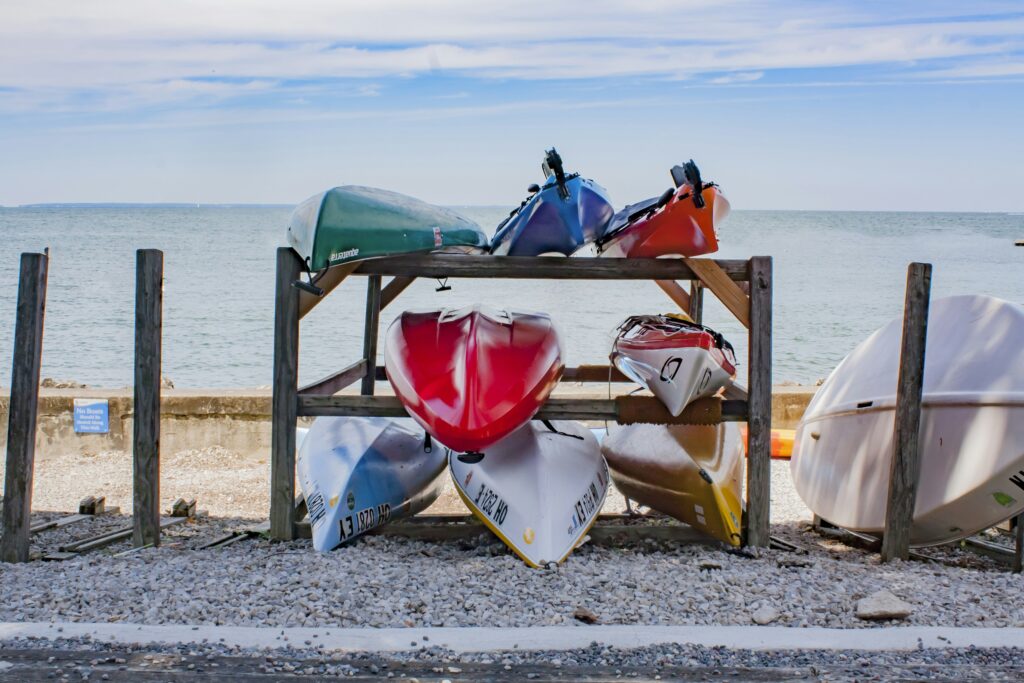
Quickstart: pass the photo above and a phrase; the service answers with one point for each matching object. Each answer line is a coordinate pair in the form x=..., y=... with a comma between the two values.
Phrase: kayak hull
x=676, y=361
x=538, y=490
x=354, y=223
x=781, y=442
x=547, y=223
x=972, y=426
x=472, y=376
x=677, y=228
x=358, y=473
x=691, y=472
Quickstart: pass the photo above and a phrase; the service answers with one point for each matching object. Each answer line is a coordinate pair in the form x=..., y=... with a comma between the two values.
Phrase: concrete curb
x=481, y=639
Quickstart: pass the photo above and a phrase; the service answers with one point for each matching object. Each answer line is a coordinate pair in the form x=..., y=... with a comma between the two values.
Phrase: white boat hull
x=358, y=473
x=539, y=491
x=972, y=427
x=676, y=376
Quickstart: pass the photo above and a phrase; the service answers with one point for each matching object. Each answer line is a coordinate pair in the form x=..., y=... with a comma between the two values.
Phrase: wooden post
x=24, y=400
x=906, y=465
x=696, y=301
x=1018, y=543
x=759, y=403
x=370, y=333
x=285, y=396
x=149, y=280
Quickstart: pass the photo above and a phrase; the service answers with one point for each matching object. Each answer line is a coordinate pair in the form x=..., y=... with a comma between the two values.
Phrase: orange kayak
x=782, y=442
x=682, y=222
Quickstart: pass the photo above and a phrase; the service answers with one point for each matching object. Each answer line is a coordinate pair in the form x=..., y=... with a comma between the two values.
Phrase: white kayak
x=972, y=426
x=358, y=473
x=537, y=489
x=675, y=359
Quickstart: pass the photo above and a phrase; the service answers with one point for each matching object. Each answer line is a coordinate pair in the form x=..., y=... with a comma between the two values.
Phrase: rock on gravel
x=765, y=614
x=883, y=605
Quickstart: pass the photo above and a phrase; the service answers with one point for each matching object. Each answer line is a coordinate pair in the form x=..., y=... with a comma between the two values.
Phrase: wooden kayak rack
x=743, y=286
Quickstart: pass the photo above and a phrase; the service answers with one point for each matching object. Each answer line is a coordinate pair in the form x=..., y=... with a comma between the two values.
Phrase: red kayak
x=474, y=375
x=679, y=223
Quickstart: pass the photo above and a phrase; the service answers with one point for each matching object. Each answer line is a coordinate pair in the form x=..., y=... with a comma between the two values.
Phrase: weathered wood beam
x=622, y=409
x=675, y=292
x=722, y=285
x=283, y=402
x=24, y=402
x=327, y=281
x=149, y=280
x=594, y=373
x=337, y=381
x=905, y=467
x=538, y=267
x=759, y=365
x=583, y=373
x=697, y=301
x=372, y=326
x=1018, y=543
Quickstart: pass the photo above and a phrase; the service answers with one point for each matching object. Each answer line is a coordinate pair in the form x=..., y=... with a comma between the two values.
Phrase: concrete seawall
x=236, y=419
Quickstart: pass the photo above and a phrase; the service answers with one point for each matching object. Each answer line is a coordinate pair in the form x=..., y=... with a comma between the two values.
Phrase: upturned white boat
x=972, y=426
x=358, y=473
x=691, y=472
x=675, y=359
x=539, y=489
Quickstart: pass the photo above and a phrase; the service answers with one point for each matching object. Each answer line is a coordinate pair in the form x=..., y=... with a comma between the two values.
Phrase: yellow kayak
x=691, y=472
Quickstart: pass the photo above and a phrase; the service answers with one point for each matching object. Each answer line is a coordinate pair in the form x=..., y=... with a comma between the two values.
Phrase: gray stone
x=765, y=614
x=883, y=605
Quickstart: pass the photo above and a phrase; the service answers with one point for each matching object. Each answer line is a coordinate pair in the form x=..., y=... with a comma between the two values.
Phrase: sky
x=787, y=105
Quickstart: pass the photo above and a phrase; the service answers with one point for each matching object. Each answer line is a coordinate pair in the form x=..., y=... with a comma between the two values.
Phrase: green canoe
x=354, y=223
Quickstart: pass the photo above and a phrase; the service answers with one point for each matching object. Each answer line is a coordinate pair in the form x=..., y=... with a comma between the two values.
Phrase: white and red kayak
x=675, y=359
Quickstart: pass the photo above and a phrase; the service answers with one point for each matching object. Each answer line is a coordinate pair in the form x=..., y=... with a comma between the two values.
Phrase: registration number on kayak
x=488, y=502
x=587, y=505
x=315, y=506
x=364, y=520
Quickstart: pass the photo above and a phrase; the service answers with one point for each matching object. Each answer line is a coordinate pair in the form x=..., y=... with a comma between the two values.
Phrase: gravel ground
x=81, y=659
x=227, y=484
x=389, y=581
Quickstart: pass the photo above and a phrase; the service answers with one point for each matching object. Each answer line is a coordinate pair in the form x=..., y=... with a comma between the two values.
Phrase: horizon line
x=279, y=205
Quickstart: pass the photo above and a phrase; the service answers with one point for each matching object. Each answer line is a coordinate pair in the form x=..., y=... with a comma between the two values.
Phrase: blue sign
x=92, y=416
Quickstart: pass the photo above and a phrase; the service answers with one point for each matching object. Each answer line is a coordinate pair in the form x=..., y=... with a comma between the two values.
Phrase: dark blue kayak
x=564, y=214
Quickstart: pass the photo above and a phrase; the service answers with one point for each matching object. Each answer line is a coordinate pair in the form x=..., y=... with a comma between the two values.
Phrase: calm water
x=838, y=276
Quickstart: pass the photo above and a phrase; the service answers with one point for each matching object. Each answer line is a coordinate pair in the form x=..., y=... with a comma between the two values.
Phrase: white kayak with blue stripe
x=359, y=473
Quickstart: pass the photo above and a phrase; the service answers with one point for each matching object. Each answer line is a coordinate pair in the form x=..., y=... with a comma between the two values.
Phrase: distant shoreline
x=243, y=205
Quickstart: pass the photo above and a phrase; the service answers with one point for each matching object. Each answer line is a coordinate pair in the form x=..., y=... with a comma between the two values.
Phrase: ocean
x=838, y=277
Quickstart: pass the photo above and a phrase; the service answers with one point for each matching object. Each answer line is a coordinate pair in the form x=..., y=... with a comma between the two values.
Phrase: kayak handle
x=308, y=287
x=689, y=174
x=553, y=166
x=470, y=457
x=533, y=188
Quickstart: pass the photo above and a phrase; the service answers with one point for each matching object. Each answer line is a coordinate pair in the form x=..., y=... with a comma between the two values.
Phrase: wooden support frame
x=720, y=276
x=24, y=401
x=149, y=280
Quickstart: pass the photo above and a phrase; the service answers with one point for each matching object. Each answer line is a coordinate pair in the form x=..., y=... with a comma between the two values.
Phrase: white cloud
x=109, y=54
x=739, y=77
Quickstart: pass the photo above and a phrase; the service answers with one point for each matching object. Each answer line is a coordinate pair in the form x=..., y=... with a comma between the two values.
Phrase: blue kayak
x=564, y=214
x=358, y=473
